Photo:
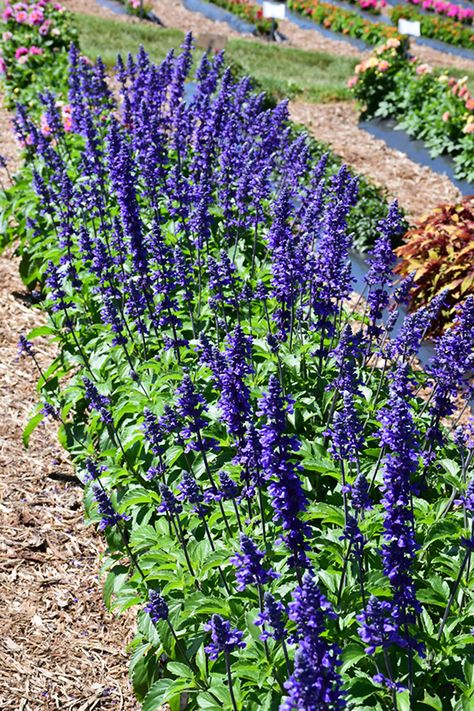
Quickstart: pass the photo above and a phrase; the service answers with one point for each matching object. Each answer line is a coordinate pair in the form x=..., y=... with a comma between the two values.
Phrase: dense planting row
x=292, y=519
x=455, y=12
x=352, y=24
x=428, y=104
x=438, y=28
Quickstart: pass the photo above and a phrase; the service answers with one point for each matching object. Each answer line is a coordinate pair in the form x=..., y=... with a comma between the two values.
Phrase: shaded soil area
x=417, y=188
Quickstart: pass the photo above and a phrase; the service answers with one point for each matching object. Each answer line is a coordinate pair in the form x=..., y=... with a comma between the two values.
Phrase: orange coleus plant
x=440, y=252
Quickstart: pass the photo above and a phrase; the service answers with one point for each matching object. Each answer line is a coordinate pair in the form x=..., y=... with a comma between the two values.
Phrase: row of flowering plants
x=250, y=12
x=428, y=104
x=439, y=28
x=292, y=521
x=347, y=22
x=34, y=39
x=449, y=9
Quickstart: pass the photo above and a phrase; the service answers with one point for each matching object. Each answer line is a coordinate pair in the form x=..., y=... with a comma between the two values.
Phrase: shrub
x=33, y=47
x=426, y=103
x=293, y=524
x=439, y=250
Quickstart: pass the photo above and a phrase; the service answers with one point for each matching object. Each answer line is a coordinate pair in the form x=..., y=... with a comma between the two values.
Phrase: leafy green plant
x=439, y=250
x=427, y=103
x=33, y=48
x=344, y=21
x=249, y=11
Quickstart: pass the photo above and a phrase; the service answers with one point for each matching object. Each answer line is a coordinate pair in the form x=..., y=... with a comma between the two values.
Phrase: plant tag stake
x=409, y=27
x=275, y=10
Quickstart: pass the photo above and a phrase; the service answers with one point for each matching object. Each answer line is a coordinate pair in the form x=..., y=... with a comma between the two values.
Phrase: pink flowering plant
x=449, y=9
x=426, y=103
x=34, y=37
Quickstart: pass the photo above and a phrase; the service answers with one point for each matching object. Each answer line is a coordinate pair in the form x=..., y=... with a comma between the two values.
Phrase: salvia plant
x=287, y=497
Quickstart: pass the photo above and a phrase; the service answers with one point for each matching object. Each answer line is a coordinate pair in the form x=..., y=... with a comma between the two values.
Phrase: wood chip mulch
x=59, y=648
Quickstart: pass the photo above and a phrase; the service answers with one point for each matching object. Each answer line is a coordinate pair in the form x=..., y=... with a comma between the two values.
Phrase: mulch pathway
x=60, y=648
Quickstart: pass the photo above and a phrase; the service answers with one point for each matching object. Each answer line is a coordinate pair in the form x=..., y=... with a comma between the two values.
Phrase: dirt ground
x=60, y=648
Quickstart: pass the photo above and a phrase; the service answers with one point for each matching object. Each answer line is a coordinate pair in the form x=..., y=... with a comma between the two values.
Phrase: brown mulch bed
x=61, y=649
x=417, y=188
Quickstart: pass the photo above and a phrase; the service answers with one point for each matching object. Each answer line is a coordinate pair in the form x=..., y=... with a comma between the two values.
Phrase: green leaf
x=30, y=428
x=180, y=670
x=157, y=695
x=433, y=702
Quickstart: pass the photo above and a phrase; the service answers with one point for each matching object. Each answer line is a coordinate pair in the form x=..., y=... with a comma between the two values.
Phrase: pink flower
x=7, y=14
x=468, y=128
x=383, y=65
x=36, y=51
x=352, y=82
x=423, y=69
x=44, y=28
x=446, y=116
x=36, y=17
x=3, y=66
x=21, y=52
x=66, y=114
x=21, y=17
x=6, y=36
x=45, y=127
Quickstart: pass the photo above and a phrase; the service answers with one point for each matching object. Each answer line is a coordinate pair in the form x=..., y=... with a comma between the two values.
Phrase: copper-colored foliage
x=440, y=250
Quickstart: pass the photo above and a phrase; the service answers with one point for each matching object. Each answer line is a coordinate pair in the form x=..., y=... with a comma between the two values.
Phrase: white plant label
x=275, y=10
x=409, y=27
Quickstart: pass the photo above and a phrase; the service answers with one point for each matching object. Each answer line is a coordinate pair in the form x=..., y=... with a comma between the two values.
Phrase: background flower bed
x=33, y=47
x=455, y=12
x=352, y=24
x=241, y=244
x=427, y=104
x=348, y=23
x=438, y=28
x=249, y=11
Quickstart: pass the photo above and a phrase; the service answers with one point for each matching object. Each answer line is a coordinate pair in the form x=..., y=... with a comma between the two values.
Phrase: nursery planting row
x=452, y=26
x=291, y=519
x=353, y=25
x=427, y=103
x=440, y=7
